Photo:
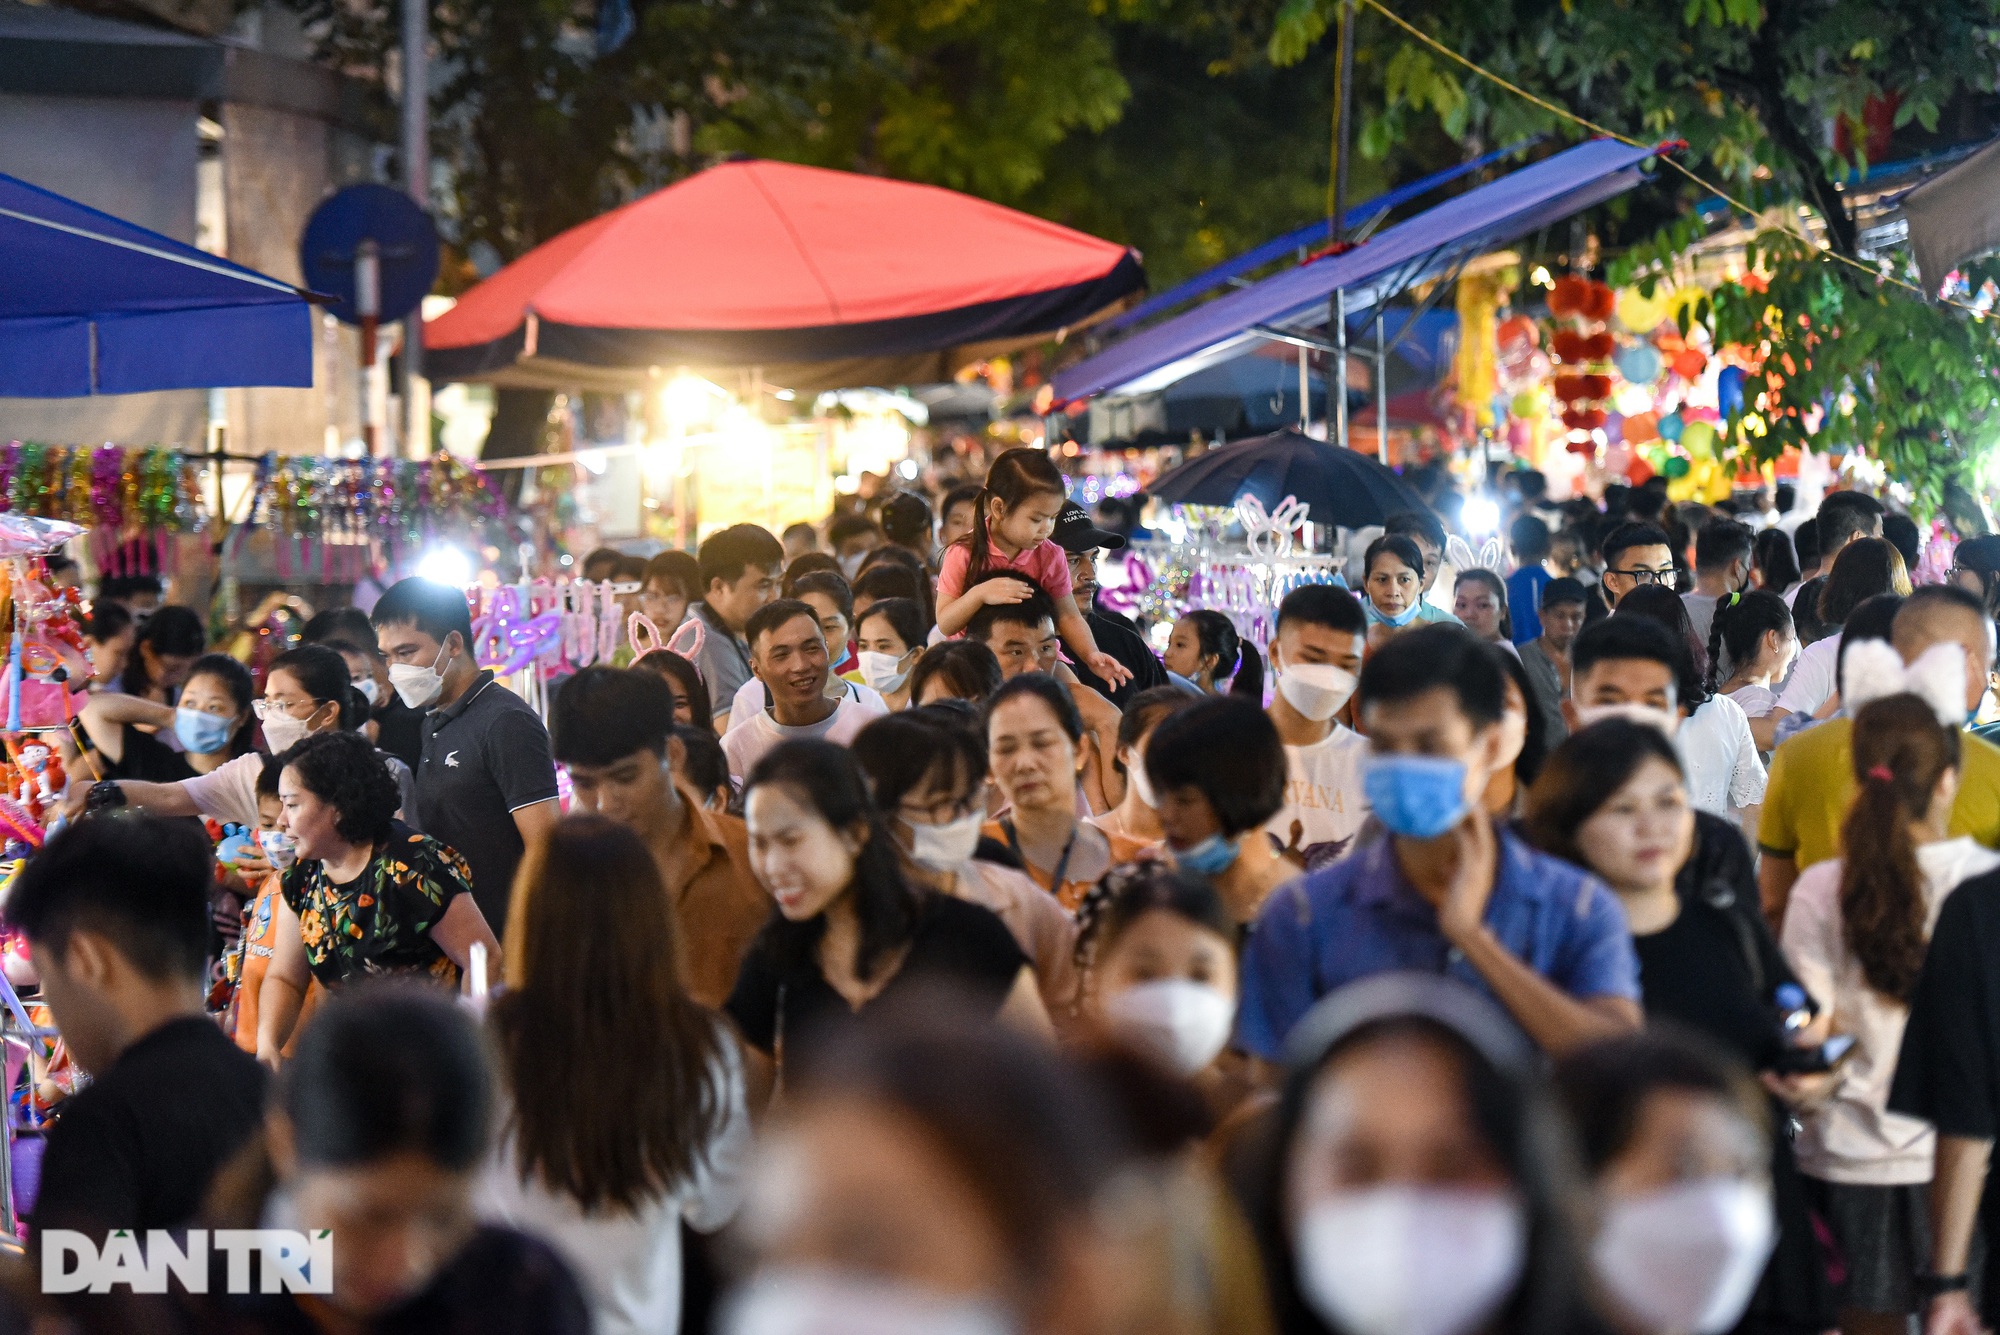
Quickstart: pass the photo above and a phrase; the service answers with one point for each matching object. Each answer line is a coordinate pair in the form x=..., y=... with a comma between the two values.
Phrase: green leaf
x=1299, y=25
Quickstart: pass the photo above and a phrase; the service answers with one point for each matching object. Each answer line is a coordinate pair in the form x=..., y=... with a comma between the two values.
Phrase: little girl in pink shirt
x=1013, y=518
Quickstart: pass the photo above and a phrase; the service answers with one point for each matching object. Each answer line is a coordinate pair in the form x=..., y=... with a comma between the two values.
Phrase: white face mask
x=946, y=847
x=1177, y=1021
x=418, y=686
x=832, y=1302
x=882, y=671
x=1403, y=1260
x=850, y=566
x=1316, y=690
x=1652, y=716
x=282, y=732
x=367, y=688
x=1686, y=1258
x=1135, y=774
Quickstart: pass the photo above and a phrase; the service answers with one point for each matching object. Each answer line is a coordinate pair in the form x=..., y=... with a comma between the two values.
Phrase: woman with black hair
x=926, y=770
x=1413, y=1180
x=368, y=895
x=166, y=649
x=1205, y=648
x=212, y=725
x=691, y=704
x=850, y=931
x=955, y=670
x=1751, y=644
x=1775, y=562
x=1217, y=771
x=1613, y=801
x=1725, y=776
x=377, y=1134
x=889, y=639
x=1137, y=814
x=111, y=636
x=1866, y=568
x=1673, y=1134
x=1975, y=567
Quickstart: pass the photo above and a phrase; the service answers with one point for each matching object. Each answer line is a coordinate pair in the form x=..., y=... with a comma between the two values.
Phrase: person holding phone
x=1613, y=799
x=1855, y=930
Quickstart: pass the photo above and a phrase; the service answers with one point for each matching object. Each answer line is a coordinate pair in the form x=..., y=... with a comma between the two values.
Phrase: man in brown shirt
x=612, y=729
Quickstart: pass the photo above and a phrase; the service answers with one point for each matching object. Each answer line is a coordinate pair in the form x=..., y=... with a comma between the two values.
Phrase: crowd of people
x=1602, y=938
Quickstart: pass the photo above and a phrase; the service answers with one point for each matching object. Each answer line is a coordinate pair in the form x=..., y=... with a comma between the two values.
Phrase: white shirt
x=1720, y=757
x=629, y=1263
x=751, y=698
x=743, y=747
x=1853, y=1138
x=1755, y=701
x=229, y=791
x=1812, y=682
x=1323, y=797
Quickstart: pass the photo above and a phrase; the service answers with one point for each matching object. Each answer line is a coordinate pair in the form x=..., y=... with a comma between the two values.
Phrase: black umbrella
x=1342, y=486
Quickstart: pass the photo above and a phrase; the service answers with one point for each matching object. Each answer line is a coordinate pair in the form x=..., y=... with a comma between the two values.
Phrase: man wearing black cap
x=1080, y=539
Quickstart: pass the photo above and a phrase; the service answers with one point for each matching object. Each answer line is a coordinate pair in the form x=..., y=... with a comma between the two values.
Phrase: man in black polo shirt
x=115, y=910
x=1080, y=539
x=487, y=784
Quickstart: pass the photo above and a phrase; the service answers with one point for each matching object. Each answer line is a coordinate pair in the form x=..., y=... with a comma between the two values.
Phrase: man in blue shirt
x=1447, y=891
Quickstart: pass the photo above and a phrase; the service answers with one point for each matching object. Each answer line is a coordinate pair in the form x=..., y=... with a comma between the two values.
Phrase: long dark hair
x=1741, y=622
x=1235, y=657
x=1900, y=751
x=610, y=1066
x=1534, y=750
x=1014, y=477
x=667, y=663
x=826, y=778
x=1658, y=603
x=1584, y=773
x=1776, y=563
x=322, y=673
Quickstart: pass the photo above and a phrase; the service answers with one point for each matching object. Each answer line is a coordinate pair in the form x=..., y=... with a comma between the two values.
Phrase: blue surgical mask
x=1211, y=857
x=1418, y=797
x=203, y=734
x=1402, y=618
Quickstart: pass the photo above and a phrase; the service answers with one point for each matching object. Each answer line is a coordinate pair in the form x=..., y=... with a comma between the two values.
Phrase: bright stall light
x=1480, y=515
x=908, y=468
x=446, y=565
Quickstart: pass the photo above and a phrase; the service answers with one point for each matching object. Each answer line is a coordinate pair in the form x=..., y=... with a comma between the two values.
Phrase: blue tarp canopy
x=1311, y=236
x=91, y=304
x=1407, y=252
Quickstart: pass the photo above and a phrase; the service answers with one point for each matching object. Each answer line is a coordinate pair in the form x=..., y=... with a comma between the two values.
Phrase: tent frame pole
x=1336, y=391
x=1381, y=390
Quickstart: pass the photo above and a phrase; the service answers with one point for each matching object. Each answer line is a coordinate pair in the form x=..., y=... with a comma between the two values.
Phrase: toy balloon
x=1676, y=468
x=1639, y=363
x=1688, y=363
x=1524, y=405
x=1729, y=391
x=1642, y=314
x=1698, y=439
x=1670, y=426
x=1642, y=427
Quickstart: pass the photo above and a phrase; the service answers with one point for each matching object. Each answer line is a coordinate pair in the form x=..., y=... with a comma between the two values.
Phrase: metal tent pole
x=1381, y=389
x=1336, y=416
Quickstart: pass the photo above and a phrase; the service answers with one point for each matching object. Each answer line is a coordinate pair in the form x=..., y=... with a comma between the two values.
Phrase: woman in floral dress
x=368, y=895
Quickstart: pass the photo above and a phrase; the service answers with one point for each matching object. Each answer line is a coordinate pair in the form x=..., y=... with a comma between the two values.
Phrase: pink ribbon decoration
x=1125, y=600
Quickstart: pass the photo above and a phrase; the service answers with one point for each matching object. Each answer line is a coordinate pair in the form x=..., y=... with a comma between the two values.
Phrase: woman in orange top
x=1033, y=740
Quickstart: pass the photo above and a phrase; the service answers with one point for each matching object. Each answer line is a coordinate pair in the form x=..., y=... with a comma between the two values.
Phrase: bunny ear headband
x=1874, y=671
x=1459, y=553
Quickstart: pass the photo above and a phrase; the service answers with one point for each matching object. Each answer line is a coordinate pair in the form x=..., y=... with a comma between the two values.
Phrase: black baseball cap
x=1075, y=533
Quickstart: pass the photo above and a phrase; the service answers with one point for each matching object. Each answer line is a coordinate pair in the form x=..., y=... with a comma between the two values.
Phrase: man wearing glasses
x=1634, y=554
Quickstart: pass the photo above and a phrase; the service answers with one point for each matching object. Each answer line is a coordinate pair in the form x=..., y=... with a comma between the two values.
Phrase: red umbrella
x=821, y=278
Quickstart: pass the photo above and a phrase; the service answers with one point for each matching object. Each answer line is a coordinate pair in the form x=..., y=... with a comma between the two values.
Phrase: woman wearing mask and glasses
x=1612, y=800
x=1412, y=1182
x=1856, y=928
x=926, y=770
x=1675, y=1140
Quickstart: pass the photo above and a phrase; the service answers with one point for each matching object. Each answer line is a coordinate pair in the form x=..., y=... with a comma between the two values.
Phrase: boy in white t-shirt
x=1316, y=657
x=788, y=654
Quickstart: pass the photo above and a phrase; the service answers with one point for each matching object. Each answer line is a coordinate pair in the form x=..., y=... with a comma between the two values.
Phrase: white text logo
x=288, y=1262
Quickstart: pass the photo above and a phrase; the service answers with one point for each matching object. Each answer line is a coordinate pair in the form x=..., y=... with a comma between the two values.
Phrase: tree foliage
x=1750, y=84
x=1849, y=363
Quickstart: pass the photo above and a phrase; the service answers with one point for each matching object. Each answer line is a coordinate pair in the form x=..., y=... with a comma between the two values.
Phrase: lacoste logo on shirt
x=451, y=761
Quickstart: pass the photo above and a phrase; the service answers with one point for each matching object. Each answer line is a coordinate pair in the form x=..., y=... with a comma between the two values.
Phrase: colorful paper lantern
x=1675, y=469
x=1639, y=363
x=1642, y=314
x=1729, y=391
x=1698, y=439
x=1671, y=426
x=1642, y=427
x=1689, y=363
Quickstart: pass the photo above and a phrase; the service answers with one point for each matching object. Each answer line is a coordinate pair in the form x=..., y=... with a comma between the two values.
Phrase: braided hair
x=1740, y=623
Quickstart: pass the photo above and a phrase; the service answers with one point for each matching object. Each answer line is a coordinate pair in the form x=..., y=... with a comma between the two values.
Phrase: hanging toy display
x=543, y=628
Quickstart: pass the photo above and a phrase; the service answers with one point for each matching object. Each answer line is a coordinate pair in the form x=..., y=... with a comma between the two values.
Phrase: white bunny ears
x=1270, y=534
x=1491, y=555
x=1873, y=670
